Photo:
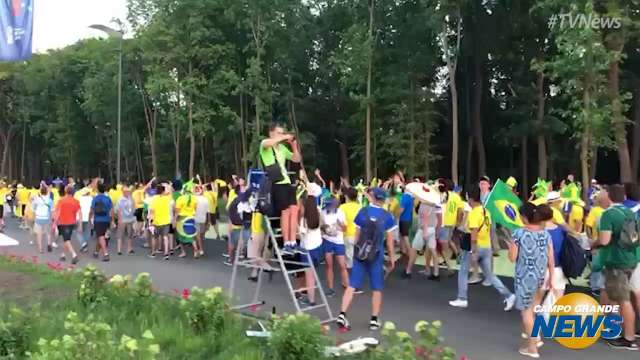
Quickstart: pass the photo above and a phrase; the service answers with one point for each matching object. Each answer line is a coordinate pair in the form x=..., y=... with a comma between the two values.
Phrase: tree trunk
x=584, y=162
x=369, y=78
x=24, y=143
x=150, y=116
x=6, y=142
x=477, y=121
x=636, y=131
x=454, y=124
x=524, y=162
x=176, y=143
x=344, y=160
x=203, y=161
x=619, y=129
x=469, y=164
x=192, y=142
x=411, y=169
x=593, y=168
x=542, y=144
x=243, y=134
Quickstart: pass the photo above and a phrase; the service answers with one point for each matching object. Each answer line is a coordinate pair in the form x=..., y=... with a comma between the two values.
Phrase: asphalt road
x=483, y=331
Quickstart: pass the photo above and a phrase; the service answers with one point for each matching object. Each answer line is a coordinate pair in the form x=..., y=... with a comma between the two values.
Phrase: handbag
x=274, y=171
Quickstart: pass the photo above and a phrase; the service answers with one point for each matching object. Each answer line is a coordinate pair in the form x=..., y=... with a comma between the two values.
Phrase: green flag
x=503, y=206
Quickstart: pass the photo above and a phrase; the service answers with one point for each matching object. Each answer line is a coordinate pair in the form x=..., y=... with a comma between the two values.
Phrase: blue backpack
x=367, y=246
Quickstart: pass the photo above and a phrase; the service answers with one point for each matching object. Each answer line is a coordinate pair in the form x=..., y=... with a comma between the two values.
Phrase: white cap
x=553, y=196
x=314, y=189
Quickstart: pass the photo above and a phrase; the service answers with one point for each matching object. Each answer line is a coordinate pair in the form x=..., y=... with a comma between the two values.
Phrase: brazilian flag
x=503, y=206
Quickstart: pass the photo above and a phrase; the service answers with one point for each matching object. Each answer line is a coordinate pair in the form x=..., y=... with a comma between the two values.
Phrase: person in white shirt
x=333, y=225
x=202, y=210
x=310, y=240
x=85, y=200
x=42, y=209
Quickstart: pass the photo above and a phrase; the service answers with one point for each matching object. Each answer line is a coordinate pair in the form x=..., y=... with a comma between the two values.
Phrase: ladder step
x=249, y=265
x=314, y=307
x=290, y=272
x=305, y=289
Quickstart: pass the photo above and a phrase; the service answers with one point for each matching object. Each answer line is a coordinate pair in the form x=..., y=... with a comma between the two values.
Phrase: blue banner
x=16, y=28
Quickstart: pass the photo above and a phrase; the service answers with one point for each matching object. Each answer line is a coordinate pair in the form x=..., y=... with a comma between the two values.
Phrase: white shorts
x=634, y=282
x=349, y=243
x=419, y=240
x=559, y=280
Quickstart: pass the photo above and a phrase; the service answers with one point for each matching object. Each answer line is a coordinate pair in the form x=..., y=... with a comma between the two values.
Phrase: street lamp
x=117, y=34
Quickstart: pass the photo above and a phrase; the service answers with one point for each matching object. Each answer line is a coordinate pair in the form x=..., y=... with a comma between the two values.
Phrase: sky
x=58, y=23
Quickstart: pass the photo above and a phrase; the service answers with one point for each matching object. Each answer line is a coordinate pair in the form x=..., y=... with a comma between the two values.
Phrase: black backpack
x=368, y=244
x=265, y=202
x=100, y=208
x=234, y=216
x=573, y=258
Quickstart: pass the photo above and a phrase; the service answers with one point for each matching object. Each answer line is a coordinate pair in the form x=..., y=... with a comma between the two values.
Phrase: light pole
x=118, y=34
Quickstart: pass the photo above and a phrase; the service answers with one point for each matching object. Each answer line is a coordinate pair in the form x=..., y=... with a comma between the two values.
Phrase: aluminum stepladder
x=273, y=236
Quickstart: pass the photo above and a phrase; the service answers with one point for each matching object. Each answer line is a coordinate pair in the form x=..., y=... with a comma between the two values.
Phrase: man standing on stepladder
x=274, y=155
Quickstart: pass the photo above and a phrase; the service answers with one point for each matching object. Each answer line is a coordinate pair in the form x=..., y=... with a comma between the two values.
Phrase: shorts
x=283, y=196
x=315, y=254
x=41, y=228
x=172, y=230
x=405, y=228
x=162, y=230
x=446, y=234
x=374, y=269
x=138, y=215
x=66, y=231
x=634, y=282
x=419, y=242
x=213, y=218
x=349, y=244
x=101, y=228
x=1, y=211
x=236, y=234
x=559, y=280
x=333, y=248
x=617, y=284
x=125, y=228
x=255, y=249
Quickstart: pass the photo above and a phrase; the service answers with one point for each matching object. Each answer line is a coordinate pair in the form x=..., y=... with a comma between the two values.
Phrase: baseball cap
x=379, y=193
x=314, y=190
x=485, y=178
x=553, y=196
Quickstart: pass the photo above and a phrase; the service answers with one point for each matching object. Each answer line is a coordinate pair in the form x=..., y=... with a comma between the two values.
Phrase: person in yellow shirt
x=255, y=248
x=4, y=190
x=593, y=218
x=211, y=194
x=555, y=203
x=185, y=208
x=160, y=216
x=138, y=196
x=350, y=209
x=574, y=210
x=22, y=197
x=477, y=244
x=453, y=206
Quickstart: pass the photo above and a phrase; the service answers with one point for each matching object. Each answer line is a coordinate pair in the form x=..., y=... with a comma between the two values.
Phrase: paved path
x=481, y=332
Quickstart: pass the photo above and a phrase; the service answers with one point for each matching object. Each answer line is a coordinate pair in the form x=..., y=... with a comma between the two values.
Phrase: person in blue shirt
x=632, y=201
x=374, y=269
x=101, y=216
x=405, y=221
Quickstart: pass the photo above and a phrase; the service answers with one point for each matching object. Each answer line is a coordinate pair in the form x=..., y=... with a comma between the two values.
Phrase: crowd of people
x=358, y=231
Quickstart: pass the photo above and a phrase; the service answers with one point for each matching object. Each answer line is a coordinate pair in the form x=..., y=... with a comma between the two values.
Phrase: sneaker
x=433, y=277
x=405, y=275
x=96, y=255
x=49, y=249
x=166, y=257
x=253, y=278
x=106, y=258
x=131, y=252
x=120, y=253
x=201, y=253
x=525, y=352
x=486, y=283
x=509, y=302
x=305, y=302
x=55, y=246
x=330, y=293
x=151, y=256
x=31, y=242
x=63, y=258
x=74, y=260
x=374, y=325
x=358, y=291
x=84, y=246
x=228, y=263
x=459, y=303
x=624, y=344
x=225, y=255
x=474, y=280
x=343, y=322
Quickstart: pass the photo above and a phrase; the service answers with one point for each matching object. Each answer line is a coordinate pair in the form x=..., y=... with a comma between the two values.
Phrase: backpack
x=265, y=202
x=629, y=232
x=100, y=208
x=234, y=216
x=367, y=246
x=573, y=258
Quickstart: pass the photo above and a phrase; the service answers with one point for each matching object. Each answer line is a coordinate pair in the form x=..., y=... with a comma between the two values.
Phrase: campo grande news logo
x=577, y=321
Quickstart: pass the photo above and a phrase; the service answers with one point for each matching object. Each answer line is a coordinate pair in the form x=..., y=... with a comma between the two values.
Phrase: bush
x=14, y=335
x=400, y=345
x=296, y=337
x=205, y=310
x=90, y=339
x=92, y=286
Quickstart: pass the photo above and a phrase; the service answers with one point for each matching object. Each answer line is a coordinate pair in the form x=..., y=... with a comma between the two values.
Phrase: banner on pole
x=16, y=29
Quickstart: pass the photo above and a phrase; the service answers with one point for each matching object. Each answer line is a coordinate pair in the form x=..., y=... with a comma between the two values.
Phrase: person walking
x=126, y=220
x=42, y=206
x=66, y=218
x=102, y=217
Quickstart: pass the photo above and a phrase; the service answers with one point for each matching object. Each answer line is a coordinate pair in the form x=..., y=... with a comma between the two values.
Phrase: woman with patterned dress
x=532, y=252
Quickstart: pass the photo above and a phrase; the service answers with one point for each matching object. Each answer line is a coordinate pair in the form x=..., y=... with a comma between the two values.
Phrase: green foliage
x=15, y=331
x=205, y=310
x=296, y=337
x=93, y=288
